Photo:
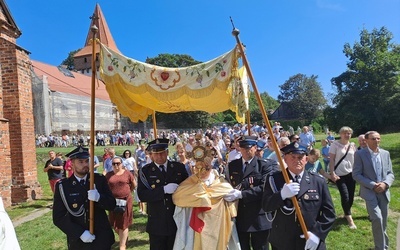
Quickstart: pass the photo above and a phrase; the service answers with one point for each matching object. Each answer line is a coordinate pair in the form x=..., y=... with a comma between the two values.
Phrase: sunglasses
x=116, y=163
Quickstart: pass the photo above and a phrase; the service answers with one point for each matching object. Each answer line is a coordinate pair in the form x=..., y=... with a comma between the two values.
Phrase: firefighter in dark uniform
x=247, y=176
x=156, y=183
x=71, y=206
x=314, y=200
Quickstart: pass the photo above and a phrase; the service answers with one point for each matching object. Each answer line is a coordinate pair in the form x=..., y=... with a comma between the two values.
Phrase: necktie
x=82, y=182
x=246, y=164
x=297, y=178
x=162, y=167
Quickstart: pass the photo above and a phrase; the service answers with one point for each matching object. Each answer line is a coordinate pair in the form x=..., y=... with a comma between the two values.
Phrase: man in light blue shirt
x=306, y=138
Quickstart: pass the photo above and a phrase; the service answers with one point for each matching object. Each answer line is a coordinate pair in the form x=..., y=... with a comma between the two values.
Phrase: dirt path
x=35, y=214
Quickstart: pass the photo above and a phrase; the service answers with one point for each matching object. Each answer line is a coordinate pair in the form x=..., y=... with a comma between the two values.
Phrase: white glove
x=170, y=188
x=93, y=194
x=87, y=237
x=312, y=242
x=290, y=190
x=233, y=195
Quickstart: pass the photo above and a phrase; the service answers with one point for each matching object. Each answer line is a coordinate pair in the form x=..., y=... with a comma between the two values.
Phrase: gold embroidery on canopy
x=165, y=81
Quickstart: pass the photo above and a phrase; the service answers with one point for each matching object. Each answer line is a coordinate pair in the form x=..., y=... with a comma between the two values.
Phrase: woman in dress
x=121, y=183
x=342, y=152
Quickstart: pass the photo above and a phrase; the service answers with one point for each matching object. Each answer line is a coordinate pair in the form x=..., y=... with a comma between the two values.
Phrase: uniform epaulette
x=146, y=166
x=276, y=173
x=316, y=174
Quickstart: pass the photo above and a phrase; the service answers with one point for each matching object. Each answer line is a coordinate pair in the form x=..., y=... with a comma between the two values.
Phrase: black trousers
x=257, y=240
x=161, y=242
x=346, y=186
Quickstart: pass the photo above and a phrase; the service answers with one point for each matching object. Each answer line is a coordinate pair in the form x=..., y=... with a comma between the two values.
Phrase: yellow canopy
x=138, y=88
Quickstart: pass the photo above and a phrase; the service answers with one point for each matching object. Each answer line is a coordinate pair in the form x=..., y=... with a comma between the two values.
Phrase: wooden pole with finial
x=248, y=122
x=235, y=33
x=94, y=30
x=154, y=124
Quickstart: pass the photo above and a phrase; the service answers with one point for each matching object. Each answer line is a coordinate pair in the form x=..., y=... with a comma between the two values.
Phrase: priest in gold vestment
x=203, y=218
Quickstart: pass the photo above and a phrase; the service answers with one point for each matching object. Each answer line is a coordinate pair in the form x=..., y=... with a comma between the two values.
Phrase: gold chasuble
x=203, y=217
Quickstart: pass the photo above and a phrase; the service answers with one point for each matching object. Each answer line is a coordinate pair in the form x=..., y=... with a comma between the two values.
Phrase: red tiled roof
x=78, y=85
x=103, y=34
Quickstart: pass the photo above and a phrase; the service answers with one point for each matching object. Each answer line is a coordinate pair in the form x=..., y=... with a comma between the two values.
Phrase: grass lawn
x=42, y=234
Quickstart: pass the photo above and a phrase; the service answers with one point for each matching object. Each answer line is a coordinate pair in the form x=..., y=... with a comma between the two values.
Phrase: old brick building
x=62, y=103
x=18, y=173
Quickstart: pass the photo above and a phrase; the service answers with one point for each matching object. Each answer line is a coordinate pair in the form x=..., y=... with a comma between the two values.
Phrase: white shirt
x=294, y=176
x=129, y=163
x=233, y=155
x=377, y=163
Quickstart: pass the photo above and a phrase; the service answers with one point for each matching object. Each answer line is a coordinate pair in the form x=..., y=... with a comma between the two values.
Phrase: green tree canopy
x=69, y=61
x=304, y=96
x=197, y=119
x=172, y=60
x=368, y=92
x=192, y=119
x=268, y=102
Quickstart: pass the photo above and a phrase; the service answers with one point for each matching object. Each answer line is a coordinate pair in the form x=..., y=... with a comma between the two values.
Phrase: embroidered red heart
x=164, y=75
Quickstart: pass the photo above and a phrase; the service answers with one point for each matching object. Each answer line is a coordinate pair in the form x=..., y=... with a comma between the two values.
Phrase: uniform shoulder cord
x=143, y=179
x=81, y=210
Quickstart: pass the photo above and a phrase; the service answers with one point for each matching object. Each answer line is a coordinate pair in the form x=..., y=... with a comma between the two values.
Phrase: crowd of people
x=103, y=138
x=224, y=189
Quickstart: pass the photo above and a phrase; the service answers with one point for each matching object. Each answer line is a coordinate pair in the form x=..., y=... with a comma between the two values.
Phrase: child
x=313, y=165
x=330, y=138
x=325, y=153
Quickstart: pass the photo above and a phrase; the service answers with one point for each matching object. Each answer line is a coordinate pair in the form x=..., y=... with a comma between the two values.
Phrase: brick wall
x=5, y=159
x=18, y=109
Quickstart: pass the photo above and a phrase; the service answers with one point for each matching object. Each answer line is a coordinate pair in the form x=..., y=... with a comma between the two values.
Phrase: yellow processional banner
x=138, y=89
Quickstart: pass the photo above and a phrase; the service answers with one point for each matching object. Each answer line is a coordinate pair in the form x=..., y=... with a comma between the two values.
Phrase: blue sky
x=283, y=38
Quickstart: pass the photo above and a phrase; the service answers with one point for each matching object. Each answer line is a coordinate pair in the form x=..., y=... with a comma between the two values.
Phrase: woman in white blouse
x=341, y=153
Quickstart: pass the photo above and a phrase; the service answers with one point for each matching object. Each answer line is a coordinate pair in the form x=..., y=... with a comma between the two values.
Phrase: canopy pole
x=248, y=122
x=235, y=33
x=154, y=125
x=92, y=119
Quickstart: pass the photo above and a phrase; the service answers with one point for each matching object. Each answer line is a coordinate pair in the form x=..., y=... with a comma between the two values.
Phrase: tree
x=69, y=61
x=201, y=119
x=368, y=96
x=268, y=102
x=304, y=96
x=191, y=119
x=172, y=60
